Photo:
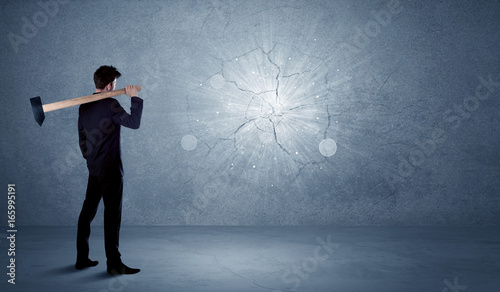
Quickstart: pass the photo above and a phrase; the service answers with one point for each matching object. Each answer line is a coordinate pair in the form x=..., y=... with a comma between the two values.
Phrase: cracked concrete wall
x=262, y=112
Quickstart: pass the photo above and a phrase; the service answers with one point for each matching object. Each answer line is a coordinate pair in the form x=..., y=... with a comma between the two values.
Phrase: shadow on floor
x=95, y=273
x=64, y=270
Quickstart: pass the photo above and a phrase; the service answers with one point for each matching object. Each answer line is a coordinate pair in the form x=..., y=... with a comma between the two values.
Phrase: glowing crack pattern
x=270, y=108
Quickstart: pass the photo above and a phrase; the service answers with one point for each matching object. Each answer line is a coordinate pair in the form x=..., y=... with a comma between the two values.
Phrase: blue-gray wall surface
x=261, y=112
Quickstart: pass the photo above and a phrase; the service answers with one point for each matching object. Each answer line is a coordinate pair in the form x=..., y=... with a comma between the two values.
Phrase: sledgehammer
x=39, y=110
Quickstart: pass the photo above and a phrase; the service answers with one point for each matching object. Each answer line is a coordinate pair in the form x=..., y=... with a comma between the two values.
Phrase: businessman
x=99, y=125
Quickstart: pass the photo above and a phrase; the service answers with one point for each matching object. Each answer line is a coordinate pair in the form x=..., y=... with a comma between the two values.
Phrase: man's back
x=99, y=133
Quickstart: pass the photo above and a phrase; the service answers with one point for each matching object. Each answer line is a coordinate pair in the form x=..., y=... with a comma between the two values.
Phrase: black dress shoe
x=82, y=264
x=122, y=270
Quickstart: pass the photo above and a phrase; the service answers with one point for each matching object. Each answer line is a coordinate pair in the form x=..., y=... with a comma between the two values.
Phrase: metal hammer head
x=36, y=105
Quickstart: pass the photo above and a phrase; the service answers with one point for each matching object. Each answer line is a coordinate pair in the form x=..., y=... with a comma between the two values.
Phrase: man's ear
x=108, y=87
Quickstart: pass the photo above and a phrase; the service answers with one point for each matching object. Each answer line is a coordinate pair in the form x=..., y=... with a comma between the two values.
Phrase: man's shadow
x=95, y=273
x=59, y=271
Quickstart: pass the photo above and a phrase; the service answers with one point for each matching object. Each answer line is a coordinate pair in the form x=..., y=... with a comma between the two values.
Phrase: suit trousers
x=110, y=189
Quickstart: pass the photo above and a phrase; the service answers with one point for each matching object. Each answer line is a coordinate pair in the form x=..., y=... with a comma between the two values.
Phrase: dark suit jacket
x=99, y=126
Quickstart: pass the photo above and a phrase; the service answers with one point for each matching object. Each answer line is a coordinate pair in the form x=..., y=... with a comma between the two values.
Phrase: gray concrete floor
x=265, y=259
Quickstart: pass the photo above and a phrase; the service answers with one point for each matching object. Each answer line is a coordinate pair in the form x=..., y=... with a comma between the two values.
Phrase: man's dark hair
x=105, y=75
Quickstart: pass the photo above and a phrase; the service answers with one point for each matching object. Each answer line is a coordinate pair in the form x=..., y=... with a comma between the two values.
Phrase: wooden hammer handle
x=84, y=99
